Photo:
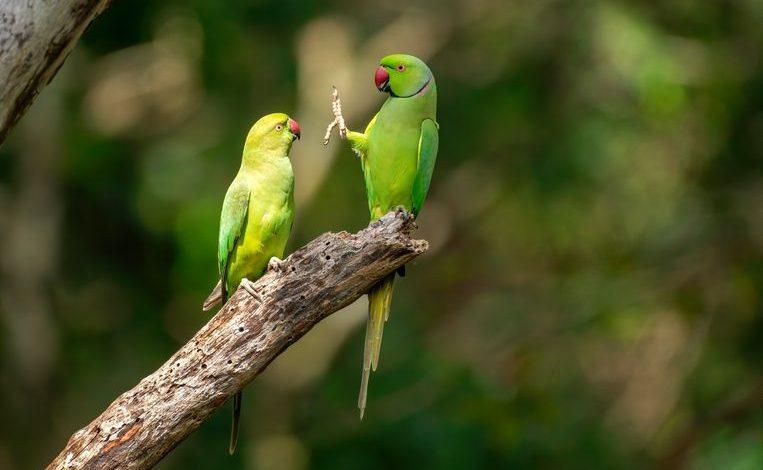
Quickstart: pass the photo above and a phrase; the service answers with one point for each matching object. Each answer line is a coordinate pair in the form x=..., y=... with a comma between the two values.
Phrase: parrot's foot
x=336, y=108
x=248, y=286
x=402, y=212
x=275, y=264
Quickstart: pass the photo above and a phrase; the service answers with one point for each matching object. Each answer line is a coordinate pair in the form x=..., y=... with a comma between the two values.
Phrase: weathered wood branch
x=144, y=424
x=35, y=38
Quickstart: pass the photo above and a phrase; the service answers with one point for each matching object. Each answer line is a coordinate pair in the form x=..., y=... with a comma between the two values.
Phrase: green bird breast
x=269, y=220
x=393, y=142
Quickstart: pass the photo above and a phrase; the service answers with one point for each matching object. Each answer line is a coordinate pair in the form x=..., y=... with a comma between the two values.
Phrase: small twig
x=336, y=109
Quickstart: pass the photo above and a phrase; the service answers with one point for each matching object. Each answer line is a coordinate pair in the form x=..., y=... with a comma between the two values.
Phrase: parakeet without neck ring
x=397, y=153
x=257, y=215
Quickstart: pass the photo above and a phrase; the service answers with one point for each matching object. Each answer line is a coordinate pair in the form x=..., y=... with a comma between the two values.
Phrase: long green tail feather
x=379, y=301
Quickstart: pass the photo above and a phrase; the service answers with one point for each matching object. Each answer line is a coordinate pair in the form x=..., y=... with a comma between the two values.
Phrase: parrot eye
x=400, y=68
x=279, y=127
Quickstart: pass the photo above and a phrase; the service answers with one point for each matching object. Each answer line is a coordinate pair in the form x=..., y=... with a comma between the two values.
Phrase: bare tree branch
x=147, y=422
x=35, y=38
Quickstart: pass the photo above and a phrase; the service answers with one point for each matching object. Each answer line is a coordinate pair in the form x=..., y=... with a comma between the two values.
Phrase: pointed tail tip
x=362, y=413
x=233, y=443
x=213, y=298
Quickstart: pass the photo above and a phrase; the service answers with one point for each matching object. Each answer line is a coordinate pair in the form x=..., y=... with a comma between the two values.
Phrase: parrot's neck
x=264, y=157
x=422, y=103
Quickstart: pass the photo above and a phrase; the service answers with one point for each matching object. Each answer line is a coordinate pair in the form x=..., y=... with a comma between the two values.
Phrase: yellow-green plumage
x=266, y=186
x=257, y=213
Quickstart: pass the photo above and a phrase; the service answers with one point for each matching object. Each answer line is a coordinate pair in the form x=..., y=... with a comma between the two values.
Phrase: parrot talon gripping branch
x=405, y=213
x=275, y=264
x=248, y=286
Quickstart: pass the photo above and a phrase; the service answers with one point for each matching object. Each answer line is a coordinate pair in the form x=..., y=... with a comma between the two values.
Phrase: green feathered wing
x=428, y=143
x=232, y=226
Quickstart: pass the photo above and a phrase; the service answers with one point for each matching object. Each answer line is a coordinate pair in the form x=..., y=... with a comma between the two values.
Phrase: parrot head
x=275, y=131
x=402, y=76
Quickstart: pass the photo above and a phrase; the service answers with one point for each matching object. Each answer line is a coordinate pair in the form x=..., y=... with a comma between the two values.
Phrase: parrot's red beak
x=382, y=79
x=294, y=128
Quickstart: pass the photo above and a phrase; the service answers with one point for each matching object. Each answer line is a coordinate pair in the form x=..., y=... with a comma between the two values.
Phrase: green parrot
x=257, y=216
x=397, y=153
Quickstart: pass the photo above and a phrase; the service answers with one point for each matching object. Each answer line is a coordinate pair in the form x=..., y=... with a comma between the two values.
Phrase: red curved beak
x=294, y=128
x=382, y=79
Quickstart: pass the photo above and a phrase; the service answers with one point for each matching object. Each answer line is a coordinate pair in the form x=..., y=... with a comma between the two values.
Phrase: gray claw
x=249, y=287
x=275, y=264
x=402, y=211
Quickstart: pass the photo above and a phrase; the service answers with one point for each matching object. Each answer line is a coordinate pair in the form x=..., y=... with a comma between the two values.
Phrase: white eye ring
x=279, y=127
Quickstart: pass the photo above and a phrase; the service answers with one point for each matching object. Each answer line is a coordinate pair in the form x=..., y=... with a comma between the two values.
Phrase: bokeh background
x=592, y=296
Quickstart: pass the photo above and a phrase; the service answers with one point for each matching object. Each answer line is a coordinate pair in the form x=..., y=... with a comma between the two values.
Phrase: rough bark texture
x=35, y=38
x=145, y=423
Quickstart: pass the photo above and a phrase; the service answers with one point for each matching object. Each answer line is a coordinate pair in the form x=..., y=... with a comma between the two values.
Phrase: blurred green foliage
x=592, y=298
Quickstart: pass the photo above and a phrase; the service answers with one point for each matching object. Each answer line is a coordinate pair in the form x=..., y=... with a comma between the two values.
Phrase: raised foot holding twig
x=336, y=108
